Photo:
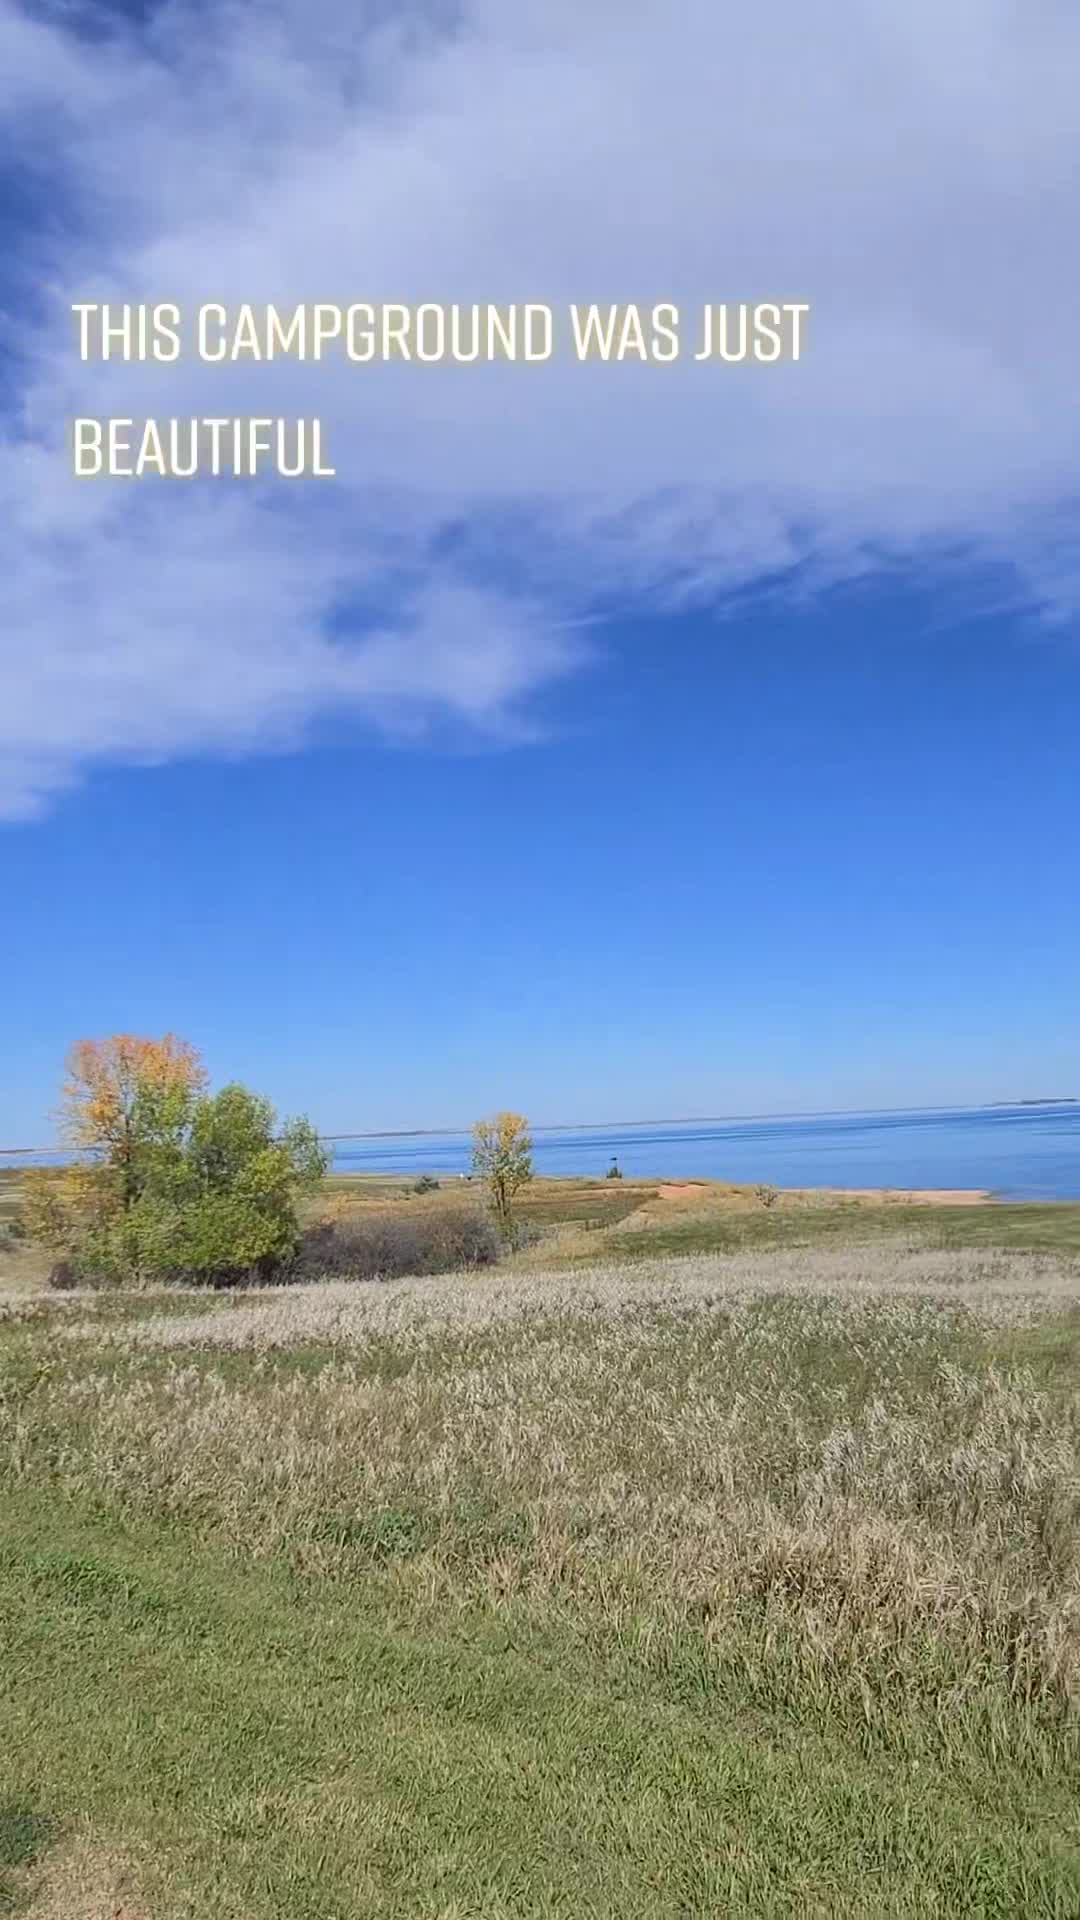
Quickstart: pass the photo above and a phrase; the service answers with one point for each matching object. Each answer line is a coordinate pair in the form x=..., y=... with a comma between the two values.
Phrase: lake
x=1018, y=1152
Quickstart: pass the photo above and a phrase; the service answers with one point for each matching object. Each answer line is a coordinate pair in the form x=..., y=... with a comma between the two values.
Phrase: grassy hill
x=707, y=1557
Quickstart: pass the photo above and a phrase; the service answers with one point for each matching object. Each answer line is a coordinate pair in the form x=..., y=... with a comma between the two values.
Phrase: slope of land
x=617, y=1581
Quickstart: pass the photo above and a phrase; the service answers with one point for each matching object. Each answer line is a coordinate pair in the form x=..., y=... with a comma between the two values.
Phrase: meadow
x=706, y=1557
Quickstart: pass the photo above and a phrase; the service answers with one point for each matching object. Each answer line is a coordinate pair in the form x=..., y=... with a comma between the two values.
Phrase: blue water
x=1019, y=1153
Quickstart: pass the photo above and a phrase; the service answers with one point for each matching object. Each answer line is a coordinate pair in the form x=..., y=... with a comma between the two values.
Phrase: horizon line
x=596, y=1126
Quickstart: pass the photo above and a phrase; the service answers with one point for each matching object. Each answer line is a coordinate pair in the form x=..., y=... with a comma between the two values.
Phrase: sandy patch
x=894, y=1196
x=702, y=1199
x=695, y=1192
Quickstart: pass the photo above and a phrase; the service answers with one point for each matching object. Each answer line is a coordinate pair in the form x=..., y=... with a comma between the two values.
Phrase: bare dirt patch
x=705, y=1198
x=84, y=1882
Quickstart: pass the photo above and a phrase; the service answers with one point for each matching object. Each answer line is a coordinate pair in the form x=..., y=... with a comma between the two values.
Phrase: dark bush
x=425, y=1184
x=381, y=1246
x=64, y=1274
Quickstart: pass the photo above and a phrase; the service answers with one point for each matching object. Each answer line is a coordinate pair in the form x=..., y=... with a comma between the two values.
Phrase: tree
x=125, y=1104
x=502, y=1157
x=129, y=1101
x=228, y=1130
x=228, y=1209
x=182, y=1184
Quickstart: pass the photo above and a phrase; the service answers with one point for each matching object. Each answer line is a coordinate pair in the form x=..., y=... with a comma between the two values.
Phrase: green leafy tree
x=502, y=1159
x=234, y=1204
x=185, y=1184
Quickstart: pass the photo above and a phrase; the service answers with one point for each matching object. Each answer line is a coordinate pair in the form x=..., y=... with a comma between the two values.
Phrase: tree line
x=174, y=1182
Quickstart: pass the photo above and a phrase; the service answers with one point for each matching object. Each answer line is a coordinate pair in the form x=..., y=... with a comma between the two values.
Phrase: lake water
x=1019, y=1153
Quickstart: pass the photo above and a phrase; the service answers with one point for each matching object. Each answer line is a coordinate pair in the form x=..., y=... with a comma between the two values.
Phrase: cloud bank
x=910, y=171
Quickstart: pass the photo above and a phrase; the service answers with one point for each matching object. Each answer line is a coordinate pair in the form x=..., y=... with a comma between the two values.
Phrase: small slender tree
x=502, y=1158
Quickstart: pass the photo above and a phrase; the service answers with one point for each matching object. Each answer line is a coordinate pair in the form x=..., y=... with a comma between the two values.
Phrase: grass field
x=703, y=1578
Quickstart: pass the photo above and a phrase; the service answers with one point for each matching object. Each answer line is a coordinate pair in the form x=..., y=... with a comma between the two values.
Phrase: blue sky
x=605, y=742
x=804, y=860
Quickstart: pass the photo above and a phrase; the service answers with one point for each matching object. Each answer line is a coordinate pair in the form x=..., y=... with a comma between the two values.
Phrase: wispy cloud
x=911, y=172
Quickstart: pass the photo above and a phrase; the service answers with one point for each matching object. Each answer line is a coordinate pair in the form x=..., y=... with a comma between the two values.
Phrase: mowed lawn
x=698, y=1583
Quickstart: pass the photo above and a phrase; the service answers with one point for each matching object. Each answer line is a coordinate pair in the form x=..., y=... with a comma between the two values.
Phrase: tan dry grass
x=998, y=1288
x=23, y=1269
x=807, y=1450
x=83, y=1881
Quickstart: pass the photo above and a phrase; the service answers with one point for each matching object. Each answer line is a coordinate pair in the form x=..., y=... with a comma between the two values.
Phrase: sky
x=609, y=742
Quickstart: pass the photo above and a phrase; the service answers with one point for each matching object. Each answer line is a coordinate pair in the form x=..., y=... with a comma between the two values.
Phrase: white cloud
x=911, y=172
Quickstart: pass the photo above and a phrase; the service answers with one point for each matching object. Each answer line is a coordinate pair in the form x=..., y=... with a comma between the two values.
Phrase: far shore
x=687, y=1191
x=658, y=1194
x=871, y=1196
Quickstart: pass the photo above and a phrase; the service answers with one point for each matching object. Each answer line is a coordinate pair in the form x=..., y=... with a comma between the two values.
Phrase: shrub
x=527, y=1233
x=383, y=1246
x=63, y=1275
x=228, y=1238
x=767, y=1195
x=425, y=1184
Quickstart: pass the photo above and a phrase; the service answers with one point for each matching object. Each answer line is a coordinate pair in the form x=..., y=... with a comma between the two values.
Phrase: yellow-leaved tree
x=126, y=1102
x=130, y=1100
x=502, y=1158
x=171, y=1182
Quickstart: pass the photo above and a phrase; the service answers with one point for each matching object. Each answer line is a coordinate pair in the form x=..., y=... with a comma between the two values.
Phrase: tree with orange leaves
x=130, y=1100
x=171, y=1182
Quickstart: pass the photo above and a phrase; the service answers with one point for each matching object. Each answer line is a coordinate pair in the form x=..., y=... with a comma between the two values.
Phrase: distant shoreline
x=672, y=1187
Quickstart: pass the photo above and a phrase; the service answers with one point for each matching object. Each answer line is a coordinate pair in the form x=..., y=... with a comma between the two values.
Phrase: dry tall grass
x=999, y=1288
x=803, y=1473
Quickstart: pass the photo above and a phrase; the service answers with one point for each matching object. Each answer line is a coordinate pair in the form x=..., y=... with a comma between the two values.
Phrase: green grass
x=545, y=1202
x=599, y=1203
x=1052, y=1228
x=25, y=1834
x=271, y=1749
